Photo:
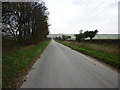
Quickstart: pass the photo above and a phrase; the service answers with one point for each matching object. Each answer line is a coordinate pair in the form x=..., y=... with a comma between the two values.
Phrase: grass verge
x=14, y=64
x=102, y=55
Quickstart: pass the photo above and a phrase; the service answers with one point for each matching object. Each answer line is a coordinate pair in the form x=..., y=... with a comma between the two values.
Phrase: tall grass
x=107, y=53
x=107, y=48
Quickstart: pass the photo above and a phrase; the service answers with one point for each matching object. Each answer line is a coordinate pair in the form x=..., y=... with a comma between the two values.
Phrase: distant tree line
x=86, y=34
x=79, y=37
x=24, y=22
x=63, y=38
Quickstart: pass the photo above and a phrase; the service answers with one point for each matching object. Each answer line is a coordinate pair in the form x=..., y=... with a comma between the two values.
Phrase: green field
x=14, y=63
x=103, y=52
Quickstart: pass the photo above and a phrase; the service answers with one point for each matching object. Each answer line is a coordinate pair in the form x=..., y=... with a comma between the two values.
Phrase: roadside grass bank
x=16, y=63
x=103, y=52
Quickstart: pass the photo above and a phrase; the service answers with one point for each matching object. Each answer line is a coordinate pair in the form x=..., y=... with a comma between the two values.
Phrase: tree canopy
x=90, y=34
x=86, y=34
x=25, y=22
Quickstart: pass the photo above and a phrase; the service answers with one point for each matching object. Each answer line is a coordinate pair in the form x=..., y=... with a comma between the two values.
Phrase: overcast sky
x=70, y=16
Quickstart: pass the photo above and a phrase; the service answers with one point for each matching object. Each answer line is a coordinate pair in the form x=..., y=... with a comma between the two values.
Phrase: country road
x=62, y=67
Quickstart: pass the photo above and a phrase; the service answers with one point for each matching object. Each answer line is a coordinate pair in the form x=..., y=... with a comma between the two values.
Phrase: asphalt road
x=61, y=67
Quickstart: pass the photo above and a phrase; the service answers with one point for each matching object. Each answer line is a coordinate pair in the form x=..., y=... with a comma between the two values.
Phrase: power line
x=114, y=4
x=89, y=2
x=88, y=15
x=103, y=10
x=86, y=6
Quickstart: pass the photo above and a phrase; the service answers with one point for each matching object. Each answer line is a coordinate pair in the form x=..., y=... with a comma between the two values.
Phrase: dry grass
x=107, y=48
x=104, y=52
x=111, y=49
x=27, y=47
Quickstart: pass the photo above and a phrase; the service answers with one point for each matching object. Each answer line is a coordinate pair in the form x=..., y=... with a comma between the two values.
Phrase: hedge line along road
x=62, y=67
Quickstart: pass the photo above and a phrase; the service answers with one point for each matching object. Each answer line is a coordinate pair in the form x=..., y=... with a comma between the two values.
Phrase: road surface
x=61, y=67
